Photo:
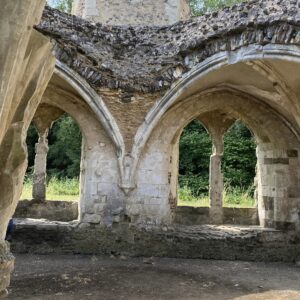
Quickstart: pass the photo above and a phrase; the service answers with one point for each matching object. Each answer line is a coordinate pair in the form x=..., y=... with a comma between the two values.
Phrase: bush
x=238, y=162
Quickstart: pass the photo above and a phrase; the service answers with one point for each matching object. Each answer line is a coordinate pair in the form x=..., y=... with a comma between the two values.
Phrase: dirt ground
x=90, y=277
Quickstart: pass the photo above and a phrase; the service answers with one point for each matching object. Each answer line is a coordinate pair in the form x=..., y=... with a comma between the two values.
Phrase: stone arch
x=93, y=100
x=98, y=106
x=278, y=146
x=248, y=55
x=100, y=163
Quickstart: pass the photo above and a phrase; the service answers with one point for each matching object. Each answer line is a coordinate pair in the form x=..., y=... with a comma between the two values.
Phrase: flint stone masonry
x=152, y=58
x=132, y=12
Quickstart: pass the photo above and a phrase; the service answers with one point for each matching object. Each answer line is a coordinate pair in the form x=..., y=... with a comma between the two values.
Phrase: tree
x=238, y=162
x=31, y=140
x=64, y=155
x=64, y=148
x=199, y=7
x=239, y=159
x=194, y=156
x=63, y=5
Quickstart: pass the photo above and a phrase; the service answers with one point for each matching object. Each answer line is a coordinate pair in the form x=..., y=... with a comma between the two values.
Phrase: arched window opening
x=195, y=148
x=239, y=167
x=63, y=160
x=52, y=179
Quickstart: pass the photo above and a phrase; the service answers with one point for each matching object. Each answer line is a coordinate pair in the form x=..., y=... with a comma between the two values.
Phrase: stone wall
x=153, y=58
x=132, y=12
x=146, y=77
x=231, y=215
x=50, y=210
x=206, y=241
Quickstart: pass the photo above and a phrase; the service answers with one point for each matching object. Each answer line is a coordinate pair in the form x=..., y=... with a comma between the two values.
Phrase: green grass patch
x=68, y=190
x=232, y=197
x=57, y=189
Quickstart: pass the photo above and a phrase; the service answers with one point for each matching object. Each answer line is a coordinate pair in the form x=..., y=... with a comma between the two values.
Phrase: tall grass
x=68, y=189
x=232, y=197
x=57, y=189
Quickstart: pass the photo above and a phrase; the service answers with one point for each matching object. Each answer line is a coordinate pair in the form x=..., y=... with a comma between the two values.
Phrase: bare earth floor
x=91, y=277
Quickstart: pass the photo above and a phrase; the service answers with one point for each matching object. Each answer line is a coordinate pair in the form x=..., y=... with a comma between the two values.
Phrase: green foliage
x=238, y=163
x=31, y=140
x=195, y=150
x=64, y=154
x=63, y=5
x=232, y=197
x=57, y=189
x=64, y=186
x=64, y=149
x=199, y=7
x=239, y=159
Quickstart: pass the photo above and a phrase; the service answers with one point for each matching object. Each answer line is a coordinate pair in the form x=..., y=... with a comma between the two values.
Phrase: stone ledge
x=64, y=211
x=250, y=243
x=200, y=215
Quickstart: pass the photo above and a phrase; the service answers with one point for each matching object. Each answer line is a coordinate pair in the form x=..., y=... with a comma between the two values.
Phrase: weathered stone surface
x=26, y=67
x=149, y=59
x=201, y=215
x=6, y=266
x=132, y=90
x=137, y=12
x=50, y=210
x=206, y=241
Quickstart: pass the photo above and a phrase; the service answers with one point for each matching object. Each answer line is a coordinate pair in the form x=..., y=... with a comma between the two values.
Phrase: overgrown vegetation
x=64, y=139
x=57, y=189
x=238, y=164
x=232, y=197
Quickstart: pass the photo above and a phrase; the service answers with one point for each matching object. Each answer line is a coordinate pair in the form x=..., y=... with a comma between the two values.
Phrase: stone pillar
x=6, y=267
x=216, y=183
x=40, y=167
x=216, y=123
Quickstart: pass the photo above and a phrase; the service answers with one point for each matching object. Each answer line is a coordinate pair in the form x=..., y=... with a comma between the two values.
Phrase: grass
x=232, y=197
x=57, y=189
x=68, y=190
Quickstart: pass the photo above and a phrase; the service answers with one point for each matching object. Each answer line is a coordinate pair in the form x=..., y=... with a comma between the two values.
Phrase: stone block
x=293, y=192
x=276, y=161
x=292, y=153
x=99, y=208
x=268, y=202
x=91, y=218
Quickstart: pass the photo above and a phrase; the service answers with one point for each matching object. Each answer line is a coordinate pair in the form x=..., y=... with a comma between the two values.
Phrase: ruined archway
x=273, y=144
x=99, y=164
x=245, y=67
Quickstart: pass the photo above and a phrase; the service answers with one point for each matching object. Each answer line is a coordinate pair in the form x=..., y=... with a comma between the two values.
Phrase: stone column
x=216, y=182
x=40, y=167
x=216, y=123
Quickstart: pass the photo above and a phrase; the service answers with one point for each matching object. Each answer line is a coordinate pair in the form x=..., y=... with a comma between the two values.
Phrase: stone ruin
x=132, y=87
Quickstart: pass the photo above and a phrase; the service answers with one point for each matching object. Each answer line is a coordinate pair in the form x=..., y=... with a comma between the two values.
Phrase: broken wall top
x=148, y=59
